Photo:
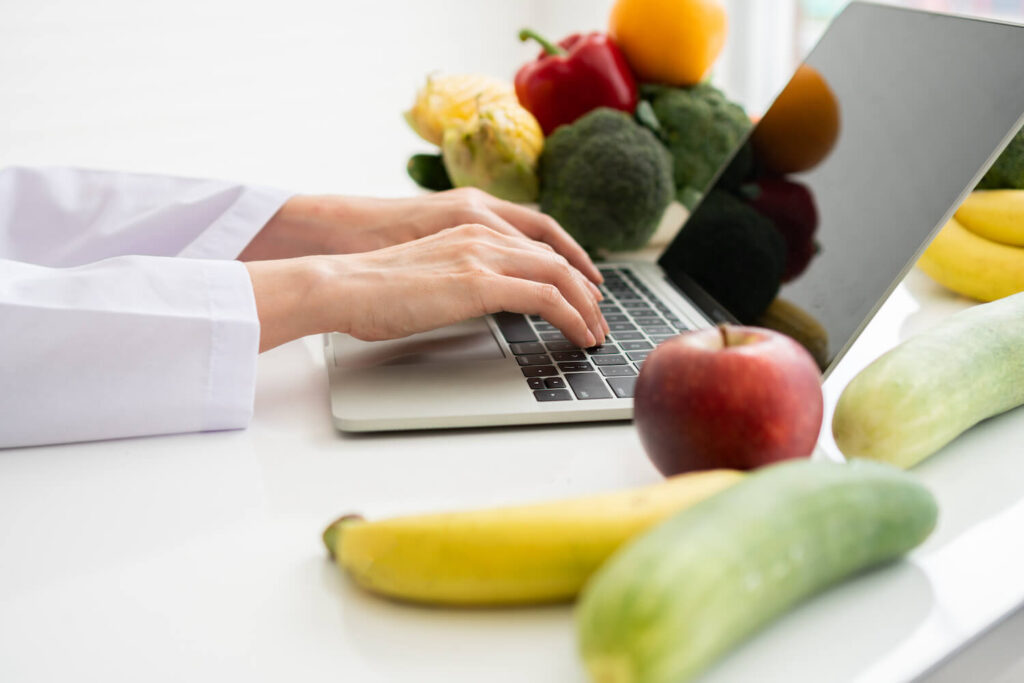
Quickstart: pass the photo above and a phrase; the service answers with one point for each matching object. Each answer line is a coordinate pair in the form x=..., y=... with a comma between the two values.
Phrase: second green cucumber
x=669, y=603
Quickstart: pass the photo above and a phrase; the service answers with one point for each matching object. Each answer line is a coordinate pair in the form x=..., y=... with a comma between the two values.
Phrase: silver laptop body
x=926, y=104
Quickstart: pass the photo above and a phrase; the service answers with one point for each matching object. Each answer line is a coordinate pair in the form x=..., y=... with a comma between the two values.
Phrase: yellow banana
x=997, y=215
x=504, y=556
x=972, y=265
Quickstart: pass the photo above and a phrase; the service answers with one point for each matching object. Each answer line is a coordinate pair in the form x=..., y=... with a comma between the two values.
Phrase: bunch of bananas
x=980, y=252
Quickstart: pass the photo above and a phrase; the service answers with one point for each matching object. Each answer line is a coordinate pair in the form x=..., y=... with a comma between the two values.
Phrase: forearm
x=319, y=224
x=289, y=296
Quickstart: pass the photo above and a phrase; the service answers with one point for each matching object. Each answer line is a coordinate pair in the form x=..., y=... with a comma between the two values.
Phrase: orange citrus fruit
x=669, y=41
x=801, y=127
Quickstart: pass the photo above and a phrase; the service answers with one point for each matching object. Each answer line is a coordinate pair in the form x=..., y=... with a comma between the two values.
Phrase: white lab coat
x=122, y=311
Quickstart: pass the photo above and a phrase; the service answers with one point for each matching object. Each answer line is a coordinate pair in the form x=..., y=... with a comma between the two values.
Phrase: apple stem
x=725, y=335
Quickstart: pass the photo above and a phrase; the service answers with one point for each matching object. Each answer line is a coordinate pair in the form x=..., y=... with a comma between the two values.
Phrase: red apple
x=727, y=396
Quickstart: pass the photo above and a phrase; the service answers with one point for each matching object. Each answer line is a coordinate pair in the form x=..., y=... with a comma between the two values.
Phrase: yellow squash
x=454, y=101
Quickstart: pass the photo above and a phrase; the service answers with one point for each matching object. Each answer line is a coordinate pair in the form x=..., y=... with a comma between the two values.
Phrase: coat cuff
x=234, y=346
x=235, y=228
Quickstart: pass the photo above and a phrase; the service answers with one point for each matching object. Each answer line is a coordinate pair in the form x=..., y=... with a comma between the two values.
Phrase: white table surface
x=198, y=557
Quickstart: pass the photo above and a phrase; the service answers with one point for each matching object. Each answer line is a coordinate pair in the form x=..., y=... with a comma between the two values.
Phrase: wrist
x=290, y=295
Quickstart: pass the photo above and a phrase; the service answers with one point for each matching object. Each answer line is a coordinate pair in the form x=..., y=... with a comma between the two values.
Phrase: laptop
x=917, y=106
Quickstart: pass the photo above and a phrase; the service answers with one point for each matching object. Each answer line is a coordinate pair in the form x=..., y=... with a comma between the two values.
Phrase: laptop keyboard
x=557, y=370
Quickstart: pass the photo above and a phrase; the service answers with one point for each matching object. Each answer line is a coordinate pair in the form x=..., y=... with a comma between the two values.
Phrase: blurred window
x=813, y=15
x=768, y=38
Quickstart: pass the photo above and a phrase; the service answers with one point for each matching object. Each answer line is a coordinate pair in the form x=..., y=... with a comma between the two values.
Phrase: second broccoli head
x=701, y=128
x=606, y=179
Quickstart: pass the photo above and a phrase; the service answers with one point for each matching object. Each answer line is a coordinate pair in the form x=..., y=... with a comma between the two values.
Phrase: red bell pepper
x=580, y=73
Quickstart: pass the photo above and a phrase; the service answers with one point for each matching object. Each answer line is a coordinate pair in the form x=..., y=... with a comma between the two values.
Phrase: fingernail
x=591, y=341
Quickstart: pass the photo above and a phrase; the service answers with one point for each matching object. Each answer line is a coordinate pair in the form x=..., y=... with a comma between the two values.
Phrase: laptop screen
x=890, y=120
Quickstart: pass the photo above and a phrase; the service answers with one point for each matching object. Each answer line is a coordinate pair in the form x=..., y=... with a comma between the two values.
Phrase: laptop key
x=635, y=345
x=658, y=329
x=634, y=304
x=617, y=371
x=552, y=395
x=621, y=327
x=514, y=327
x=545, y=327
x=623, y=336
x=622, y=386
x=554, y=383
x=552, y=336
x=588, y=385
x=608, y=360
x=575, y=366
x=536, y=383
x=539, y=371
x=523, y=348
x=534, y=359
x=645, y=321
x=569, y=355
x=610, y=318
x=602, y=349
x=638, y=355
x=658, y=338
x=562, y=346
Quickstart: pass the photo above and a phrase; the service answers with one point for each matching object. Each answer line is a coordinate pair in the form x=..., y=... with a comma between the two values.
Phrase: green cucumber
x=672, y=601
x=429, y=172
x=922, y=394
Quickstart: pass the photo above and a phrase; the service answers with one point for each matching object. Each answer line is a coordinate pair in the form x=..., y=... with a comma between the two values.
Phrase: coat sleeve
x=122, y=311
x=68, y=217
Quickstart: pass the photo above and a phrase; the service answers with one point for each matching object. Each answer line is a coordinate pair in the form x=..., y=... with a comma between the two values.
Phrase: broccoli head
x=606, y=179
x=1008, y=170
x=734, y=253
x=701, y=128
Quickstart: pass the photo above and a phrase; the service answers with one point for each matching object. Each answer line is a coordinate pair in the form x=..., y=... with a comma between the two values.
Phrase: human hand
x=449, y=276
x=308, y=225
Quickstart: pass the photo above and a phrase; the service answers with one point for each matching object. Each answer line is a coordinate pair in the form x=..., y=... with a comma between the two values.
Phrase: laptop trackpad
x=466, y=341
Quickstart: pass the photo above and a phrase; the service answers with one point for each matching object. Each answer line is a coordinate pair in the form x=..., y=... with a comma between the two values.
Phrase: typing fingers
x=551, y=268
x=544, y=228
x=518, y=295
x=505, y=228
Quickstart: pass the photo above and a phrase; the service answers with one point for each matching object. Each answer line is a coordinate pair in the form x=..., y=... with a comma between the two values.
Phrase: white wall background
x=305, y=94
